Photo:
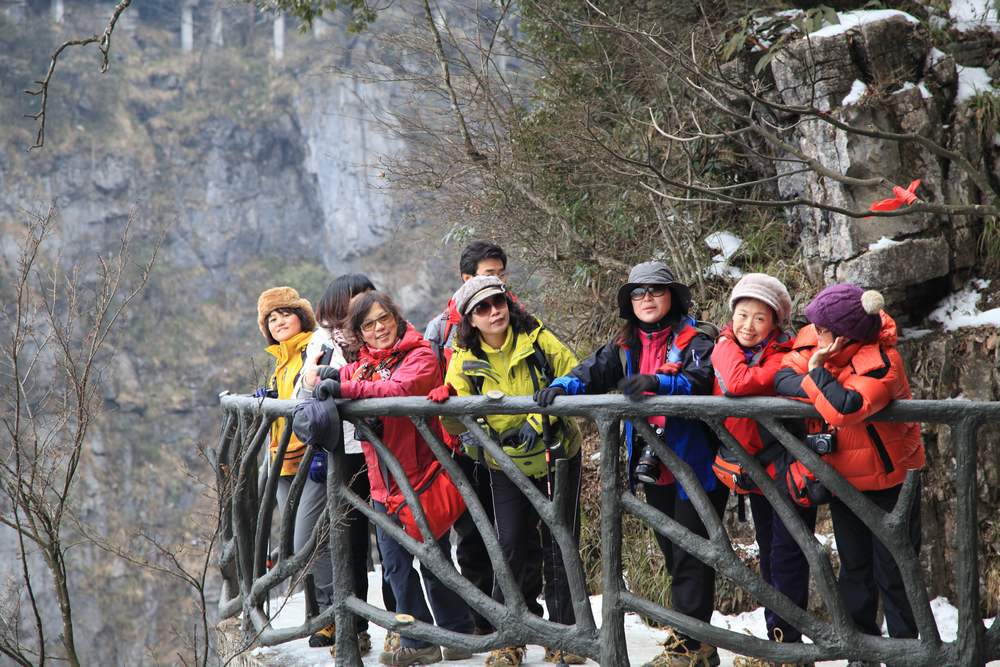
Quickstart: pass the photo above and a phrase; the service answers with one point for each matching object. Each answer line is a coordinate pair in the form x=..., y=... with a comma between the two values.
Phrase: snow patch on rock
x=858, y=89
x=974, y=14
x=971, y=82
x=851, y=20
x=961, y=309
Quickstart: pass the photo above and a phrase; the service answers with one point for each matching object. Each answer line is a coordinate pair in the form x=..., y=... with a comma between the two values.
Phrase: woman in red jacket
x=746, y=358
x=395, y=360
x=846, y=365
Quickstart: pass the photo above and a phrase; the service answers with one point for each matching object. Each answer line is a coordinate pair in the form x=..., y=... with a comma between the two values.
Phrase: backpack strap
x=623, y=356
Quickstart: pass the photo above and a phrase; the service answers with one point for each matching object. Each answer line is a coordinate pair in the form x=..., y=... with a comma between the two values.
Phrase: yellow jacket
x=509, y=372
x=286, y=372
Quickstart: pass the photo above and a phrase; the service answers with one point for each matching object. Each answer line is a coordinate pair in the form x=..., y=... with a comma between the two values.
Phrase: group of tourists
x=844, y=363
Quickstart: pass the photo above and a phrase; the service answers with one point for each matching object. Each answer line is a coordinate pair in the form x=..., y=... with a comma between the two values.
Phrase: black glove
x=528, y=437
x=636, y=385
x=328, y=373
x=544, y=397
x=327, y=389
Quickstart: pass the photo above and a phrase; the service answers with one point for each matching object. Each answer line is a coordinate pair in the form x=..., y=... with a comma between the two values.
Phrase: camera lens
x=647, y=470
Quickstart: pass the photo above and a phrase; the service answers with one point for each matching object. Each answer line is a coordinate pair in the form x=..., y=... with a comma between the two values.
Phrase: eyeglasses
x=486, y=305
x=502, y=274
x=639, y=293
x=385, y=319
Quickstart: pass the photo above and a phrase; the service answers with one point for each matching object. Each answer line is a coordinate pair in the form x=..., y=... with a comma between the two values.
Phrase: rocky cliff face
x=877, y=70
x=262, y=174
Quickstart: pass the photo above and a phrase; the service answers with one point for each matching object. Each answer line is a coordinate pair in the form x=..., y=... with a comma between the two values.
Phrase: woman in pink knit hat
x=746, y=358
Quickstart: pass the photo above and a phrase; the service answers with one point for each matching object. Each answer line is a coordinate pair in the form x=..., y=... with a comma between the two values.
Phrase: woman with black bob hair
x=661, y=350
x=329, y=347
x=500, y=347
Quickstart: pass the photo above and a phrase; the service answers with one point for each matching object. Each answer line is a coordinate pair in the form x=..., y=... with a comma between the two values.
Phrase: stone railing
x=248, y=502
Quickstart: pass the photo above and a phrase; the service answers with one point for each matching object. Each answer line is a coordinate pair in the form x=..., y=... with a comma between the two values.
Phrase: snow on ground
x=643, y=642
x=961, y=309
x=726, y=244
x=973, y=14
x=971, y=82
x=850, y=20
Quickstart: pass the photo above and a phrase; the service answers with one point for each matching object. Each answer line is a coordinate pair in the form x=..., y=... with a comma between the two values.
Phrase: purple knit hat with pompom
x=848, y=311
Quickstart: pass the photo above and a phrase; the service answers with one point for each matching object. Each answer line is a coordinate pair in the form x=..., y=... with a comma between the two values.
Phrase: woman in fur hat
x=661, y=350
x=845, y=363
x=287, y=322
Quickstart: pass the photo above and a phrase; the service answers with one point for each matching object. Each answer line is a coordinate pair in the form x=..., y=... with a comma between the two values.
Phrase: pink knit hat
x=764, y=288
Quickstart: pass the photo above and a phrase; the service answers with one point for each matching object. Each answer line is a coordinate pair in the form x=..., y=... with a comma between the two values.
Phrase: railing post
x=969, y=643
x=614, y=650
x=340, y=560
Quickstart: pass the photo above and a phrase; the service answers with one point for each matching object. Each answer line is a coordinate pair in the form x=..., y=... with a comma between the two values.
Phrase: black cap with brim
x=653, y=273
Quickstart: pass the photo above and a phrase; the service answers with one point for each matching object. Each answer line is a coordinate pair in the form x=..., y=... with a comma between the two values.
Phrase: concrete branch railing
x=247, y=504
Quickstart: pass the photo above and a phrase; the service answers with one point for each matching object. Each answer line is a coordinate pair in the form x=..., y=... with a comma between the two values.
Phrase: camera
x=264, y=392
x=820, y=443
x=647, y=470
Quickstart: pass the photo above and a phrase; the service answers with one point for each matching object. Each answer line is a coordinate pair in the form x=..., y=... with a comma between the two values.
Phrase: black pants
x=473, y=559
x=692, y=586
x=359, y=537
x=782, y=563
x=528, y=545
x=867, y=568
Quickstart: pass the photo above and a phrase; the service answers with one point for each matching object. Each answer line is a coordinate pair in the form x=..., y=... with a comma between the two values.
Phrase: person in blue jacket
x=661, y=350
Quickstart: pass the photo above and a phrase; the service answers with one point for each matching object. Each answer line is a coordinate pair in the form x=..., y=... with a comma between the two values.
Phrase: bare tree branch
x=103, y=41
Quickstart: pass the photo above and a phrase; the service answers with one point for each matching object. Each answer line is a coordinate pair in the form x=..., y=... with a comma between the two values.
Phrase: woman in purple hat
x=845, y=363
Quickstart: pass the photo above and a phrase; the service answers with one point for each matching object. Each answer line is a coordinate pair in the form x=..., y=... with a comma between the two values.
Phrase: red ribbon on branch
x=902, y=198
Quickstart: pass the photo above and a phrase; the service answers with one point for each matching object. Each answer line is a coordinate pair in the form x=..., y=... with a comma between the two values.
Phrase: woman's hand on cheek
x=821, y=354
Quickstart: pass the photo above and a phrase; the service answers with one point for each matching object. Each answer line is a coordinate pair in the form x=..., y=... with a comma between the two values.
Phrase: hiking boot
x=391, y=642
x=510, y=656
x=404, y=656
x=364, y=644
x=676, y=654
x=449, y=653
x=326, y=636
x=562, y=657
x=747, y=661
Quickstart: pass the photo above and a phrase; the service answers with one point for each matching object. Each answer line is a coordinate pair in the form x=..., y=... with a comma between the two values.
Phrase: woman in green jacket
x=501, y=347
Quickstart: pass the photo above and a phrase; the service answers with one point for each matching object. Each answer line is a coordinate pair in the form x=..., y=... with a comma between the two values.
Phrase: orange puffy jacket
x=854, y=384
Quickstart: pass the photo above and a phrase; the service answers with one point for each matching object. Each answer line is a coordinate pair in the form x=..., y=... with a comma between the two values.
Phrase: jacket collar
x=288, y=349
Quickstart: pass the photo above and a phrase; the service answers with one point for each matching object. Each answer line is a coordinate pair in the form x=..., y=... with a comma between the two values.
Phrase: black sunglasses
x=486, y=305
x=639, y=293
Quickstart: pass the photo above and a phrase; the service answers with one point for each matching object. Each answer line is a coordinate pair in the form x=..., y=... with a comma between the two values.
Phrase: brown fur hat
x=282, y=297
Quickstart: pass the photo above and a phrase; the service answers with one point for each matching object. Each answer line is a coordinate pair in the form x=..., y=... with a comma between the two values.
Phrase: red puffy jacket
x=854, y=384
x=735, y=376
x=414, y=374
